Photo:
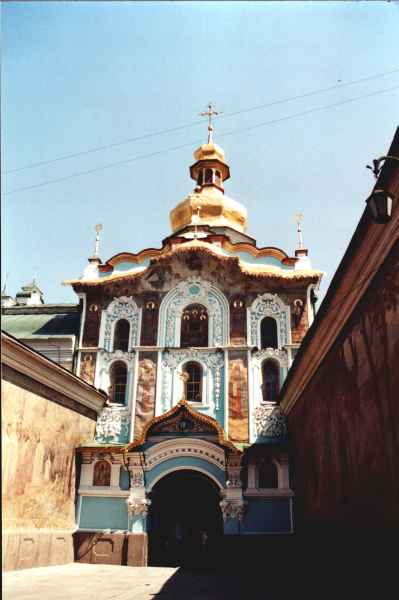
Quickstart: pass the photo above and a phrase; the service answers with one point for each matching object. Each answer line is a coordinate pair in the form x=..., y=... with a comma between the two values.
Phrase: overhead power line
x=195, y=123
x=233, y=132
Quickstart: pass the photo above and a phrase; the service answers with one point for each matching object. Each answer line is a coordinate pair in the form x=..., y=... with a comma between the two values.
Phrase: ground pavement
x=80, y=581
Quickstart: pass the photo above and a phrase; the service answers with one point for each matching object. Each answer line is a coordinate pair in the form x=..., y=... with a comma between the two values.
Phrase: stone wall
x=344, y=426
x=40, y=431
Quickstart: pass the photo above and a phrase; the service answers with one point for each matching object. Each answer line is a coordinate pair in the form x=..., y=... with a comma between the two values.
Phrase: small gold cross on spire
x=97, y=242
x=209, y=113
x=298, y=219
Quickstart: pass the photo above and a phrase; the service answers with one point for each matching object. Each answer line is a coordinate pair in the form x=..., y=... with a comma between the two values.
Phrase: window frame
x=112, y=394
x=199, y=382
x=116, y=336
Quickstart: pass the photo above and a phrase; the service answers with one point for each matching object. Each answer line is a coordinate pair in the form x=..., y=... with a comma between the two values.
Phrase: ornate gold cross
x=209, y=113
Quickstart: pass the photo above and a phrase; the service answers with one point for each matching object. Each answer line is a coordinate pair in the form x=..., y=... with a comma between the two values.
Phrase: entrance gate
x=185, y=520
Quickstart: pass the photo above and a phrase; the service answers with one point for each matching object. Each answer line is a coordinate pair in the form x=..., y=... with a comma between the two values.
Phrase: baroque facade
x=192, y=342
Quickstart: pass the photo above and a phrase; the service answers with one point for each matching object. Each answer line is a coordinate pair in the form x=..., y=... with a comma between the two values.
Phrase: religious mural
x=238, y=397
x=38, y=470
x=146, y=384
x=92, y=324
x=88, y=366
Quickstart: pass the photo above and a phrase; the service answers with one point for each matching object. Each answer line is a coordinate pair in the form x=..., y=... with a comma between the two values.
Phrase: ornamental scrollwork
x=270, y=421
x=233, y=510
x=212, y=361
x=137, y=479
x=109, y=357
x=194, y=290
x=269, y=305
x=137, y=506
x=121, y=308
x=280, y=356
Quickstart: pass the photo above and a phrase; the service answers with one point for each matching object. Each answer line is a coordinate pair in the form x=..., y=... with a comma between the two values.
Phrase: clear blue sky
x=79, y=75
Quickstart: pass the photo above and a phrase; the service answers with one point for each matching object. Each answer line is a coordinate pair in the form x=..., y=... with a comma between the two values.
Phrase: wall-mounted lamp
x=380, y=206
x=380, y=201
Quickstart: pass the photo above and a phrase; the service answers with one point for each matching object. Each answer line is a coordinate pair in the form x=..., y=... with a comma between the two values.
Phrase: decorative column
x=137, y=502
x=232, y=505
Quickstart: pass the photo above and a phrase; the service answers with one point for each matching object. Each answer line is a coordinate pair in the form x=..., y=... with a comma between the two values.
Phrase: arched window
x=118, y=378
x=194, y=326
x=193, y=382
x=270, y=381
x=102, y=473
x=208, y=176
x=218, y=178
x=267, y=474
x=200, y=178
x=121, y=335
x=268, y=333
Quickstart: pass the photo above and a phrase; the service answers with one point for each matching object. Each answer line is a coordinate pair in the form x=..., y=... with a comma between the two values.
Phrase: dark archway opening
x=185, y=520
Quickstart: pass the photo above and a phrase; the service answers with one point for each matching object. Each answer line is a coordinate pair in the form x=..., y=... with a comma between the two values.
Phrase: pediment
x=183, y=419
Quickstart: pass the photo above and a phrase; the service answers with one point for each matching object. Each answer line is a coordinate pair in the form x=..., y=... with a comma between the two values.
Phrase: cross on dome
x=209, y=113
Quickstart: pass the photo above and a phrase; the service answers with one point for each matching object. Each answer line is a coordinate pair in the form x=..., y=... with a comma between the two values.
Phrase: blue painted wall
x=185, y=462
x=267, y=516
x=103, y=513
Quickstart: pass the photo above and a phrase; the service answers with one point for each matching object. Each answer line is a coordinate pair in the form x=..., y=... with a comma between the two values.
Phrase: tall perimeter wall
x=46, y=413
x=342, y=393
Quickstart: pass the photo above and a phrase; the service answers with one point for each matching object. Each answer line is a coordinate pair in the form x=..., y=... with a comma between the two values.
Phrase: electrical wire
x=166, y=150
x=194, y=124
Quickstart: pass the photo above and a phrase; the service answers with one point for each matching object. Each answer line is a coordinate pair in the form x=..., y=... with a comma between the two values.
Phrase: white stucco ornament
x=232, y=510
x=270, y=421
x=113, y=423
x=137, y=506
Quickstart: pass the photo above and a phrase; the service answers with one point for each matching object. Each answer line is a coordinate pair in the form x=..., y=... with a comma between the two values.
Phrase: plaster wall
x=38, y=477
x=344, y=426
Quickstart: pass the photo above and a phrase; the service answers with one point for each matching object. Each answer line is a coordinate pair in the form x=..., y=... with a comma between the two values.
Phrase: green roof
x=27, y=326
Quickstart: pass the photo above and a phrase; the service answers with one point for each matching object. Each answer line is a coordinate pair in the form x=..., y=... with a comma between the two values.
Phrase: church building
x=192, y=343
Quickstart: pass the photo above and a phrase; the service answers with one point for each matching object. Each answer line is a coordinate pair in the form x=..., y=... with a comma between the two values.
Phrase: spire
x=301, y=252
x=298, y=219
x=91, y=270
x=96, y=253
x=209, y=113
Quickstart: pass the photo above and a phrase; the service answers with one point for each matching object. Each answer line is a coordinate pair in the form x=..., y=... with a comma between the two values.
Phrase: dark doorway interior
x=185, y=520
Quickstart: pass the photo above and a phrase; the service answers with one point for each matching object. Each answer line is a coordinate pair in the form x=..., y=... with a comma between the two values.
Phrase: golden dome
x=207, y=204
x=209, y=151
x=215, y=209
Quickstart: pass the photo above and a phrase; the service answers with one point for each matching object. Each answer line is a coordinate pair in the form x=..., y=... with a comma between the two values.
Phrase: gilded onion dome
x=207, y=204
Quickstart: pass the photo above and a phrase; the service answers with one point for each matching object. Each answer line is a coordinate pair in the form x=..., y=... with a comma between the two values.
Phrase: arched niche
x=193, y=291
x=120, y=308
x=269, y=305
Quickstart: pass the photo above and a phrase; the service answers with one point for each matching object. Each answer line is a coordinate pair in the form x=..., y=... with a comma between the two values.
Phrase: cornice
x=37, y=367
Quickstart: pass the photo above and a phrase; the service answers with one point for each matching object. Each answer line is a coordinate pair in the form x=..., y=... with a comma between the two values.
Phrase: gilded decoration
x=162, y=256
x=189, y=413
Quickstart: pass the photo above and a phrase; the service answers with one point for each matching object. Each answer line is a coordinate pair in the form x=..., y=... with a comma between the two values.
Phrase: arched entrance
x=185, y=522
